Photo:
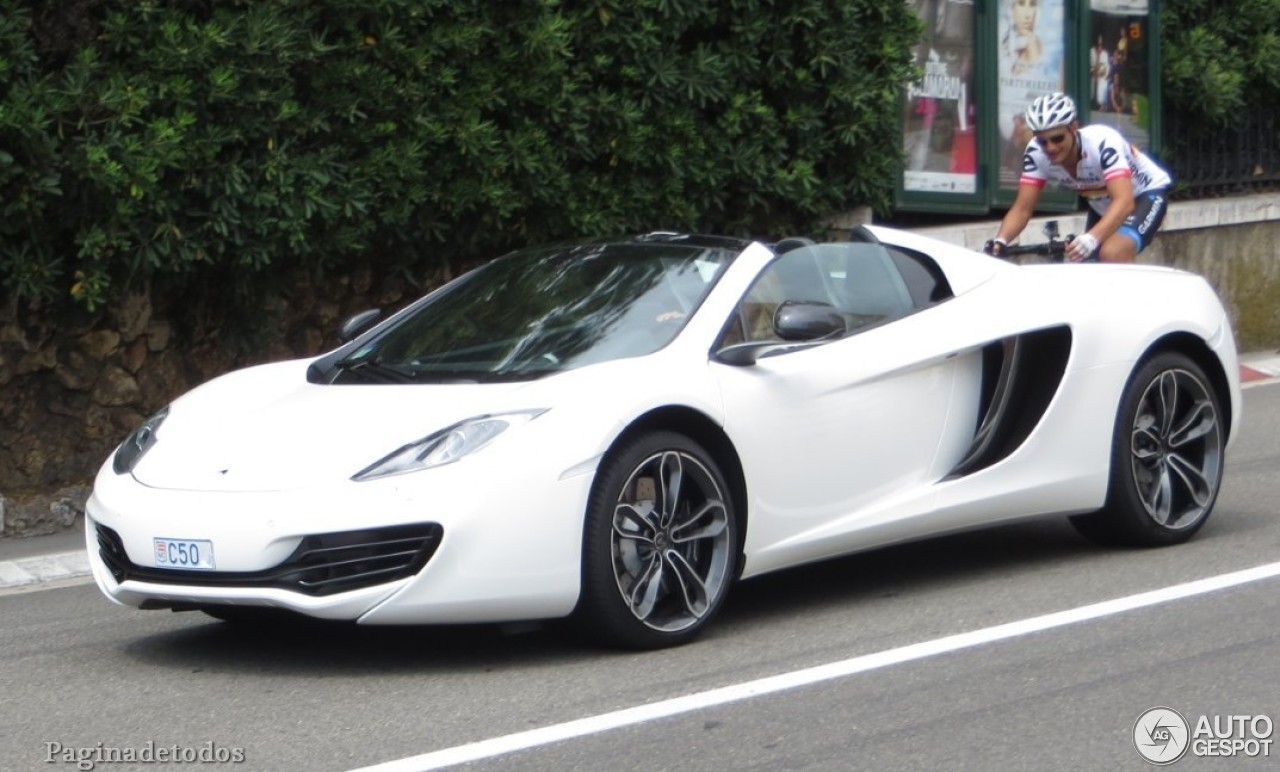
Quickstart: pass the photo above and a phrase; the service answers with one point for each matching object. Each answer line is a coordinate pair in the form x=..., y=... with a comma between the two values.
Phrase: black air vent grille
x=323, y=564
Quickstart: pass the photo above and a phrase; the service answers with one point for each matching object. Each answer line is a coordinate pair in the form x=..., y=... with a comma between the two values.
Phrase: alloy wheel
x=671, y=541
x=1176, y=449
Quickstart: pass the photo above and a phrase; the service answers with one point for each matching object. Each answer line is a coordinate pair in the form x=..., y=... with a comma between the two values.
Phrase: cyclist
x=1125, y=190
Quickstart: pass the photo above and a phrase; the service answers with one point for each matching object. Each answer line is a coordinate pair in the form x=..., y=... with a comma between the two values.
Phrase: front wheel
x=661, y=544
x=1166, y=460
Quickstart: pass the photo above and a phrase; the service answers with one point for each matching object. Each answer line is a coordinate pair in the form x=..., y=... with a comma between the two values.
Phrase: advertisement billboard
x=939, y=132
x=1030, y=63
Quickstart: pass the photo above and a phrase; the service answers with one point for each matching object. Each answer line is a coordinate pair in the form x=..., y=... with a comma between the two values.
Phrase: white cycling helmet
x=1050, y=111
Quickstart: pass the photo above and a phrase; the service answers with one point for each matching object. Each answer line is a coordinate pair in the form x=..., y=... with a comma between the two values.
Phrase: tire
x=1166, y=457
x=661, y=544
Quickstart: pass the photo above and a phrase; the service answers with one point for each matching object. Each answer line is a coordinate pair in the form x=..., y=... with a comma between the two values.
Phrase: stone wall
x=1242, y=262
x=70, y=393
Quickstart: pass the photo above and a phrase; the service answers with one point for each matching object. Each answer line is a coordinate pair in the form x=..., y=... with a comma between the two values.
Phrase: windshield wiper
x=372, y=369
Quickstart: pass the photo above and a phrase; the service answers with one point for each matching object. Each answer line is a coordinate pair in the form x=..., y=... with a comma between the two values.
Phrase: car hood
x=267, y=428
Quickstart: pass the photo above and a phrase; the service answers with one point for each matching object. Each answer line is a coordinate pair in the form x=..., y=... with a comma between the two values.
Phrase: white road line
x=582, y=727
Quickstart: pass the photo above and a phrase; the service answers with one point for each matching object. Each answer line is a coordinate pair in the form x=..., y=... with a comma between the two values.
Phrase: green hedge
x=143, y=140
x=1220, y=57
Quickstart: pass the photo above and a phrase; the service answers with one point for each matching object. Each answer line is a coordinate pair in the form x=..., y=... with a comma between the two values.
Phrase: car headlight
x=445, y=446
x=137, y=443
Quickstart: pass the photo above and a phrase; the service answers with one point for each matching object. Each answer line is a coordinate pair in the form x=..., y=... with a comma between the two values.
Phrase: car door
x=840, y=440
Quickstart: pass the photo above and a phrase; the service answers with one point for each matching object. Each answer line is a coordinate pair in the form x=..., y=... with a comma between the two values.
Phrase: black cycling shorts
x=1141, y=226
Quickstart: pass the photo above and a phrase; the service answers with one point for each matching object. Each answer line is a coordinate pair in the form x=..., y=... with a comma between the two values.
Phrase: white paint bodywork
x=843, y=446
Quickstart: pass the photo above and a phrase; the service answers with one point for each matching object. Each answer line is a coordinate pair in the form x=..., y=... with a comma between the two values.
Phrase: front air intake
x=322, y=564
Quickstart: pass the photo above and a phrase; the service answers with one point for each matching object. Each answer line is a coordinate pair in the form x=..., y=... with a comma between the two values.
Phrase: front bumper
x=431, y=549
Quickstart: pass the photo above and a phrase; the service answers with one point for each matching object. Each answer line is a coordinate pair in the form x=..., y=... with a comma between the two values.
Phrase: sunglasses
x=1055, y=140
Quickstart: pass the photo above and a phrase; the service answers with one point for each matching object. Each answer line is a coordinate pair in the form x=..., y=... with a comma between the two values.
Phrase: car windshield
x=543, y=310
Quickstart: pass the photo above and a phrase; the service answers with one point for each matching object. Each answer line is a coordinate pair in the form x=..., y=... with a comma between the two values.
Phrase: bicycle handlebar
x=1055, y=250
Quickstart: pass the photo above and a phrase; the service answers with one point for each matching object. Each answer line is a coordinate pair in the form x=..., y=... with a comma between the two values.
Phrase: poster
x=1119, y=95
x=939, y=135
x=1029, y=60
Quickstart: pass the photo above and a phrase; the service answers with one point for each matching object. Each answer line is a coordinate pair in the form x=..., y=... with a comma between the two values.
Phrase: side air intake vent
x=1021, y=374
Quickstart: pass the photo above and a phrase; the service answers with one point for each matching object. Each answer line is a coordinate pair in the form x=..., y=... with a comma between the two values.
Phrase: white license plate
x=189, y=554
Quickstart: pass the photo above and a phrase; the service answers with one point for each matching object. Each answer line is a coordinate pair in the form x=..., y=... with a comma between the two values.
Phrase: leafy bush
x=1220, y=57
x=144, y=140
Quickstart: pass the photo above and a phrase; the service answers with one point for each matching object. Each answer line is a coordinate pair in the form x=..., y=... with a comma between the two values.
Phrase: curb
x=39, y=569
x=1259, y=372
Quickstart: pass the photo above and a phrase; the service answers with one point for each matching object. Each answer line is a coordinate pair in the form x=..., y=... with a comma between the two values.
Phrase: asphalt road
x=80, y=676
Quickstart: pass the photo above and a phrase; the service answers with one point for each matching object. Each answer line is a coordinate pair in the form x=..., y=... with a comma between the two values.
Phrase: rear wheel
x=661, y=544
x=1166, y=460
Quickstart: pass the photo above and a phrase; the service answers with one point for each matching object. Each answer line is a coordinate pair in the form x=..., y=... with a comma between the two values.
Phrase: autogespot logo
x=1161, y=735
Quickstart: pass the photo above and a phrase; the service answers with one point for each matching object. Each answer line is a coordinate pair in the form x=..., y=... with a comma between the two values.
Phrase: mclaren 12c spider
x=616, y=431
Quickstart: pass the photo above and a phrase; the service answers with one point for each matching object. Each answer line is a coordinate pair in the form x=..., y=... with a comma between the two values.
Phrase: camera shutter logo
x=1161, y=736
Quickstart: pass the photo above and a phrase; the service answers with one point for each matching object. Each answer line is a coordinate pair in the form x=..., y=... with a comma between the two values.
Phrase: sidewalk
x=40, y=559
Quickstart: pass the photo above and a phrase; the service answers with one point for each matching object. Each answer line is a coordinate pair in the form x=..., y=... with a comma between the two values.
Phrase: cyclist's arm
x=1024, y=205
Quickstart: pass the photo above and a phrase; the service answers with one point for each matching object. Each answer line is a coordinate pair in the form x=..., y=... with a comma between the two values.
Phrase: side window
x=925, y=280
x=867, y=286
x=866, y=283
x=795, y=276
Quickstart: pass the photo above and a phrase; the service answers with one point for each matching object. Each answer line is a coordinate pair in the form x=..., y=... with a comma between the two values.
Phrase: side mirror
x=807, y=321
x=356, y=325
x=795, y=324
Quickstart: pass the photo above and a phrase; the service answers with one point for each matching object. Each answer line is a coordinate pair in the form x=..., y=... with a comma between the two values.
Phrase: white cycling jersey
x=1104, y=155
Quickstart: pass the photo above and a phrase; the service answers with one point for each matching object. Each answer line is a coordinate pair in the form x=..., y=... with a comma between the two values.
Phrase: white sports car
x=615, y=431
